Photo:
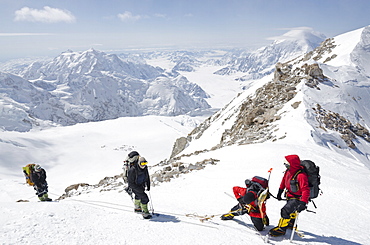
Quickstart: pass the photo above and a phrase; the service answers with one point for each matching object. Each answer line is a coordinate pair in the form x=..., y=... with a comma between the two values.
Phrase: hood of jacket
x=295, y=163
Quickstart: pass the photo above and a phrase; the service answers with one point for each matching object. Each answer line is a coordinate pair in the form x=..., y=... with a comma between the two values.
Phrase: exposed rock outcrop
x=329, y=120
x=169, y=171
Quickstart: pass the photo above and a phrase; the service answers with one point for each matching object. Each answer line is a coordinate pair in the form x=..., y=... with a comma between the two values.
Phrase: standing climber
x=36, y=177
x=295, y=182
x=248, y=202
x=138, y=179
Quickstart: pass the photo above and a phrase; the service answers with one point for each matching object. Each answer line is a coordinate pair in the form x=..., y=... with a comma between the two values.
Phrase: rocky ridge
x=256, y=115
x=164, y=174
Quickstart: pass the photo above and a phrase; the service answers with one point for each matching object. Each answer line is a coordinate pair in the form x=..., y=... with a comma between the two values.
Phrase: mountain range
x=261, y=62
x=93, y=86
x=79, y=87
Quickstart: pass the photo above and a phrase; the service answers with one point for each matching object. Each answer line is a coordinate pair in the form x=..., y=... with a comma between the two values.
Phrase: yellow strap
x=283, y=222
x=293, y=215
x=249, y=207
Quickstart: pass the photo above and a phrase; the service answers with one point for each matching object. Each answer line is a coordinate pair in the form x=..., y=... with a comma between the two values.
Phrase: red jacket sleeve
x=304, y=187
x=282, y=184
x=239, y=191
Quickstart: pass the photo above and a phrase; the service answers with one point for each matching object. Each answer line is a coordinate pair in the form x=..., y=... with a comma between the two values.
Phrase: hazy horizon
x=47, y=28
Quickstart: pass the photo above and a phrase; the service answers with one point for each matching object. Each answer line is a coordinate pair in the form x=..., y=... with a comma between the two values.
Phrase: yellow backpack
x=27, y=172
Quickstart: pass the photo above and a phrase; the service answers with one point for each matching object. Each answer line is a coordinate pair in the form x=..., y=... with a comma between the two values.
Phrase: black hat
x=132, y=154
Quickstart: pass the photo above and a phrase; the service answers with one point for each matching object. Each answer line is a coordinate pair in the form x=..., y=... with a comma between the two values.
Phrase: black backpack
x=257, y=184
x=128, y=163
x=313, y=173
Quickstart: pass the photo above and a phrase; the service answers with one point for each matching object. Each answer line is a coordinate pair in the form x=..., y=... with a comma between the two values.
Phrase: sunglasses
x=143, y=163
x=286, y=163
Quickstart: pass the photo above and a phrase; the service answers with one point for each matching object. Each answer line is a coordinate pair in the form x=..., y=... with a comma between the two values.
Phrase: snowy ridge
x=330, y=97
x=91, y=62
x=262, y=61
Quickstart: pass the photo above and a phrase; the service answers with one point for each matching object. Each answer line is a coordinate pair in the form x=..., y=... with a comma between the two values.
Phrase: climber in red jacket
x=248, y=203
x=295, y=182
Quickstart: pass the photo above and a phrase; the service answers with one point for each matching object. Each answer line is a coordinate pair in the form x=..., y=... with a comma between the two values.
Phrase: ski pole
x=294, y=227
x=269, y=174
x=151, y=203
x=227, y=194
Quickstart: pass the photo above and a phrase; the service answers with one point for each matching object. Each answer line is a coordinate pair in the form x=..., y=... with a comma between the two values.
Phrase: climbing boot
x=46, y=198
x=266, y=220
x=147, y=216
x=280, y=230
x=137, y=204
x=227, y=216
x=145, y=211
x=293, y=216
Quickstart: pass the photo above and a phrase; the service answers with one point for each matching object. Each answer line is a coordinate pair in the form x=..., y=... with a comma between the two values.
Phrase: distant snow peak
x=284, y=48
x=77, y=87
x=301, y=33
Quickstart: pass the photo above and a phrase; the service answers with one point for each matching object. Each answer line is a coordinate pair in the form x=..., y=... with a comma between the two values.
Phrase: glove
x=128, y=190
x=242, y=210
x=301, y=206
x=249, y=197
x=240, y=200
x=279, y=194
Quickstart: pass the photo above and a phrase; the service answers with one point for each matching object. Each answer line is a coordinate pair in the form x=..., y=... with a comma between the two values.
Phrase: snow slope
x=106, y=217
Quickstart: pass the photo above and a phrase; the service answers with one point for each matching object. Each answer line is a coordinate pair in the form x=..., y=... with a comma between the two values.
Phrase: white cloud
x=160, y=15
x=46, y=15
x=127, y=16
x=24, y=34
x=295, y=28
x=295, y=33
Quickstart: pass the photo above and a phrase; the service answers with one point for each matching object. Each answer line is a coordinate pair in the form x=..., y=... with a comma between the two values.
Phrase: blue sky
x=41, y=27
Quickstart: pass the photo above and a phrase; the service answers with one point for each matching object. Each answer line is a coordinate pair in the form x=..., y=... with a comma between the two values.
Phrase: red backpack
x=261, y=182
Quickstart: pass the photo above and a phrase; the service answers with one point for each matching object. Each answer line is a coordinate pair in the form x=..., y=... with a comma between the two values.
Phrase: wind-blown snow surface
x=90, y=152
